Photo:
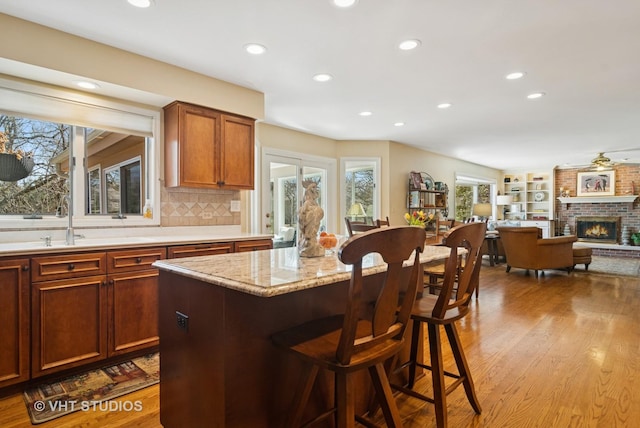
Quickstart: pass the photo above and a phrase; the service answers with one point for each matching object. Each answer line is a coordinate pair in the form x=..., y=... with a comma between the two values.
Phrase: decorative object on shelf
x=625, y=235
x=16, y=165
x=567, y=230
x=538, y=197
x=482, y=210
x=428, y=182
x=564, y=193
x=416, y=180
x=309, y=217
x=598, y=183
x=419, y=218
x=538, y=178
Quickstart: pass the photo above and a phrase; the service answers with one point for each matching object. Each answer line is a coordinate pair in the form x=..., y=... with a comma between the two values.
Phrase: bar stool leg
x=437, y=375
x=463, y=367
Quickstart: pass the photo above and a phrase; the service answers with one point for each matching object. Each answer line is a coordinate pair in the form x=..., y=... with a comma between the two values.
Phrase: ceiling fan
x=601, y=162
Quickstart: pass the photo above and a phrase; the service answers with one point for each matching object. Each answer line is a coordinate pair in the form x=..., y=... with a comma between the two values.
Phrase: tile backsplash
x=198, y=207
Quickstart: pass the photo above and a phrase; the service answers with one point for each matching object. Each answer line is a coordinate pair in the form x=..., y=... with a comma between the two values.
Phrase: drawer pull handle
x=72, y=266
x=138, y=260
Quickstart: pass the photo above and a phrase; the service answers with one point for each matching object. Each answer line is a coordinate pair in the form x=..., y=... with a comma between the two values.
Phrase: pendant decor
x=16, y=165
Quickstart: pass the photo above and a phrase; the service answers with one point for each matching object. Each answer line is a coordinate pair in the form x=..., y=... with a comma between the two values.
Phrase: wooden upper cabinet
x=207, y=148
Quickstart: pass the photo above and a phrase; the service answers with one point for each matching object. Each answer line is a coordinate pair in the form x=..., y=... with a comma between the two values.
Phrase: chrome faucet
x=70, y=235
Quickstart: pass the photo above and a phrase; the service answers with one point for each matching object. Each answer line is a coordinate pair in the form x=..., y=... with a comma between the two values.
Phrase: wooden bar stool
x=367, y=334
x=436, y=311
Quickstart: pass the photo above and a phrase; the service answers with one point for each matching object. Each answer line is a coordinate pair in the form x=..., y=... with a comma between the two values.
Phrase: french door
x=283, y=190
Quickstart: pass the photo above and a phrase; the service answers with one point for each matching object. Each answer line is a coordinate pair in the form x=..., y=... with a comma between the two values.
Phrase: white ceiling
x=584, y=54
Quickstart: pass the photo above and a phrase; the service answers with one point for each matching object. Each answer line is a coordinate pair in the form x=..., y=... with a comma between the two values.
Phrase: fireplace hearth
x=598, y=229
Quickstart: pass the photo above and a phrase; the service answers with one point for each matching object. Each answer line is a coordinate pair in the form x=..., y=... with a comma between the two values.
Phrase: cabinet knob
x=138, y=260
x=25, y=268
x=72, y=266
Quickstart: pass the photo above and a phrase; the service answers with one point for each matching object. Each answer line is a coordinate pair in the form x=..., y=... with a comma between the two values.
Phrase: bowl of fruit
x=329, y=241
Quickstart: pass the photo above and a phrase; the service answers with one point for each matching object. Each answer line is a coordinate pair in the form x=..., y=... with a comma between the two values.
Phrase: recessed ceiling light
x=398, y=124
x=141, y=3
x=515, y=75
x=444, y=105
x=345, y=3
x=407, y=45
x=255, y=48
x=322, y=77
x=535, y=95
x=365, y=113
x=86, y=84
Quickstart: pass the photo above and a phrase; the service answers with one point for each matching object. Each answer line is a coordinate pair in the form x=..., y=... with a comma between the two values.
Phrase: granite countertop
x=113, y=239
x=270, y=273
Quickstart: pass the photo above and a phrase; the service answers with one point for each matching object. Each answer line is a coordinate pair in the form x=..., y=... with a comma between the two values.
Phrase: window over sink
x=113, y=152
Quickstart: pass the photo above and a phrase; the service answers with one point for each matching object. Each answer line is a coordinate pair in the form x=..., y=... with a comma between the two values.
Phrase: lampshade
x=356, y=210
x=504, y=200
x=482, y=210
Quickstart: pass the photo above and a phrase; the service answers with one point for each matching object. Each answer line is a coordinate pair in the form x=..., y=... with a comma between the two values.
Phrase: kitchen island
x=218, y=367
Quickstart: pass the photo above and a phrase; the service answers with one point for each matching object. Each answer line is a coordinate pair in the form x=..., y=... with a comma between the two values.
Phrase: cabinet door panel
x=198, y=148
x=68, y=323
x=237, y=152
x=14, y=321
x=133, y=311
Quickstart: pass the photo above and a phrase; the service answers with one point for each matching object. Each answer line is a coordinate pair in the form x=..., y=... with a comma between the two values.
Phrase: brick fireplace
x=628, y=213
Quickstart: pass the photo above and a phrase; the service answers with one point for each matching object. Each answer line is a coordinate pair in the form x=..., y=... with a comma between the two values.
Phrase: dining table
x=218, y=366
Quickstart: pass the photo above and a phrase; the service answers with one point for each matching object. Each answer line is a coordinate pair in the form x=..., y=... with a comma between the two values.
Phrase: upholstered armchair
x=524, y=248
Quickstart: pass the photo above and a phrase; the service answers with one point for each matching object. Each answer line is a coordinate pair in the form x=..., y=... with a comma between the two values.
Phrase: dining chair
x=366, y=333
x=444, y=310
x=354, y=227
x=380, y=223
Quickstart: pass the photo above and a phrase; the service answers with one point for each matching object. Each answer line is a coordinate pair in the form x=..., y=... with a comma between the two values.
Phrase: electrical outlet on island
x=235, y=206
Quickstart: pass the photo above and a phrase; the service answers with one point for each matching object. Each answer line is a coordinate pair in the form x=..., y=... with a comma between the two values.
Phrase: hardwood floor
x=557, y=351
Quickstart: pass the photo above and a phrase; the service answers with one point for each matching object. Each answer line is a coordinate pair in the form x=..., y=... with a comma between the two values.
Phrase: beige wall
x=397, y=160
x=404, y=159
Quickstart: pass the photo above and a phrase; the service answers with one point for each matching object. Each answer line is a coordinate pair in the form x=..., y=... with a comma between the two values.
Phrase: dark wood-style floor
x=557, y=351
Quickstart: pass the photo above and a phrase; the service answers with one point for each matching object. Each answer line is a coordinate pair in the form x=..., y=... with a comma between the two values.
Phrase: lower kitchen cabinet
x=132, y=300
x=68, y=322
x=14, y=321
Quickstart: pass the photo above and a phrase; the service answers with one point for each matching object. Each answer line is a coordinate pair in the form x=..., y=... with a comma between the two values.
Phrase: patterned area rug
x=91, y=391
x=613, y=266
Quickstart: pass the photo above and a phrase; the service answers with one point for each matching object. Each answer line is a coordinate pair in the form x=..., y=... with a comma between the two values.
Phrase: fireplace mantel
x=598, y=199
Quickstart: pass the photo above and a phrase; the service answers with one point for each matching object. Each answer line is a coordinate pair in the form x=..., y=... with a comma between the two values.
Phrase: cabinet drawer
x=133, y=260
x=259, y=244
x=67, y=266
x=200, y=250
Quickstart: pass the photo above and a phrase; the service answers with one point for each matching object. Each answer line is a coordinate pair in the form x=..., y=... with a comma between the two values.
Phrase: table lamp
x=483, y=210
x=504, y=200
x=356, y=210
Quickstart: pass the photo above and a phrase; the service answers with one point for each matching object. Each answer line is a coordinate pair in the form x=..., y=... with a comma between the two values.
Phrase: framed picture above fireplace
x=596, y=183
